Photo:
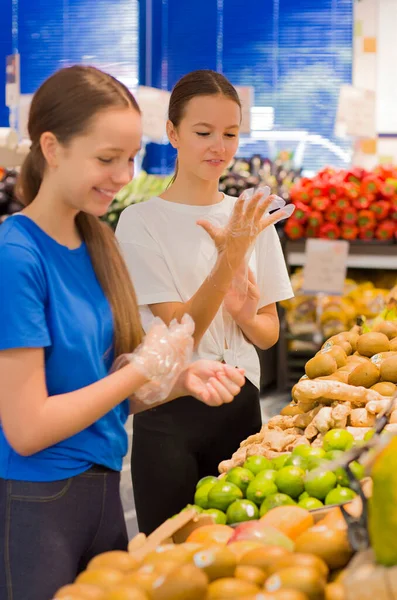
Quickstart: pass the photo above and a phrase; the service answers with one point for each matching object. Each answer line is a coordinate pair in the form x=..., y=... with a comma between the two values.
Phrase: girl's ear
x=172, y=134
x=50, y=148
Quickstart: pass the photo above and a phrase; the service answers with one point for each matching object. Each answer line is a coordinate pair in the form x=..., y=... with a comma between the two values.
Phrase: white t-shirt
x=168, y=256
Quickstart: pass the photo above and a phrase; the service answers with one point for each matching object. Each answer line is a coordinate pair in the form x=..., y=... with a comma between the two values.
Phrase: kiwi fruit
x=230, y=587
x=384, y=388
x=393, y=344
x=321, y=365
x=304, y=579
x=365, y=375
x=338, y=353
x=388, y=369
x=300, y=559
x=373, y=343
x=357, y=358
x=352, y=338
x=389, y=328
x=343, y=376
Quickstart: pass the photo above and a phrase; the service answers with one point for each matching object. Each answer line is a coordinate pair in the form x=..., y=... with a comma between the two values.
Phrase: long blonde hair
x=65, y=104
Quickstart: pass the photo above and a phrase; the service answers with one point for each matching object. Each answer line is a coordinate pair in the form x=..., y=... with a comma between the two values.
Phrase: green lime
x=338, y=439
x=273, y=501
x=192, y=506
x=315, y=462
x=333, y=454
x=301, y=450
x=268, y=475
x=342, y=477
x=369, y=435
x=218, y=516
x=222, y=494
x=357, y=469
x=303, y=496
x=259, y=489
x=310, y=503
x=242, y=510
x=291, y=481
x=255, y=464
x=295, y=460
x=201, y=495
x=240, y=477
x=340, y=495
x=320, y=484
x=279, y=462
x=207, y=479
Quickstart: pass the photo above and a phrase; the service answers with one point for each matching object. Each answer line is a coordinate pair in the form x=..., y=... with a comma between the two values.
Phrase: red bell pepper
x=334, y=188
x=302, y=212
x=333, y=214
x=355, y=175
x=366, y=233
x=385, y=172
x=371, y=184
x=349, y=216
x=380, y=209
x=349, y=232
x=386, y=230
x=363, y=202
x=342, y=203
x=393, y=214
x=387, y=190
x=321, y=203
x=316, y=219
x=294, y=229
x=301, y=192
x=311, y=231
x=329, y=231
x=366, y=218
x=351, y=190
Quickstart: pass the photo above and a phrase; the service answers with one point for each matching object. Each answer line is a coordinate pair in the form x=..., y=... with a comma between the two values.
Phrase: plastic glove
x=164, y=353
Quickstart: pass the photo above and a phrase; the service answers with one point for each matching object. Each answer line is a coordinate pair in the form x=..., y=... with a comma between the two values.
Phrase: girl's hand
x=242, y=298
x=246, y=222
x=211, y=382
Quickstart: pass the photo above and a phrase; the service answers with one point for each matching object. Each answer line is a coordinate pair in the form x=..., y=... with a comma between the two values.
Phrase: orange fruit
x=104, y=578
x=291, y=520
x=240, y=549
x=83, y=590
x=207, y=534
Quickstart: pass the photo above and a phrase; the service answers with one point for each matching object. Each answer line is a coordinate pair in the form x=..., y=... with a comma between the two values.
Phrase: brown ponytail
x=65, y=105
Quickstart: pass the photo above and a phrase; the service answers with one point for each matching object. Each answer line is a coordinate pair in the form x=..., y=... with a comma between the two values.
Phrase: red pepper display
x=380, y=209
x=294, y=229
x=386, y=230
x=349, y=232
x=350, y=204
x=329, y=231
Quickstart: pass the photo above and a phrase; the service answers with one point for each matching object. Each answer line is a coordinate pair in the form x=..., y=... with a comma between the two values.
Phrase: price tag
x=154, y=106
x=325, y=266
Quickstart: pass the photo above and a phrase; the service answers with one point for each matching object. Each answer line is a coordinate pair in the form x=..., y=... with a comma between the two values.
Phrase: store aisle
x=271, y=404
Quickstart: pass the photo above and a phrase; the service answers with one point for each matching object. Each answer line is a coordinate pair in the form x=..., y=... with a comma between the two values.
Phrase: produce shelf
x=362, y=255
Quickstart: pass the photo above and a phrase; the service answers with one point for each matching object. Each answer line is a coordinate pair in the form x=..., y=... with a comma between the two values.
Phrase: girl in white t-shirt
x=184, y=250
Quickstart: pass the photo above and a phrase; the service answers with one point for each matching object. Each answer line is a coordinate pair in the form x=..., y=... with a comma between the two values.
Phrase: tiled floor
x=271, y=405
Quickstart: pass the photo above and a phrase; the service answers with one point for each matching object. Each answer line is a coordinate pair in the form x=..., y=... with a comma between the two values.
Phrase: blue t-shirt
x=50, y=298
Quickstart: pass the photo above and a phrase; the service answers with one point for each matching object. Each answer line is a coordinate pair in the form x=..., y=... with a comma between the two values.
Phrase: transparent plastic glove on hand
x=163, y=355
x=276, y=204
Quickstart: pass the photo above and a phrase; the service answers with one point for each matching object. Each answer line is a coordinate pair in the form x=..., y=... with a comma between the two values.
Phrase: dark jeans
x=50, y=530
x=176, y=444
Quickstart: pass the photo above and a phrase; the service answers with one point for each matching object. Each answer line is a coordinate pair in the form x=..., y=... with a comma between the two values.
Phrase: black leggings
x=174, y=445
x=50, y=530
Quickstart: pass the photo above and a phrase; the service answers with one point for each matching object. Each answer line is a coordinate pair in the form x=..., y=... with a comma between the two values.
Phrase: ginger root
x=358, y=432
x=360, y=417
x=324, y=391
x=340, y=413
x=323, y=421
x=377, y=406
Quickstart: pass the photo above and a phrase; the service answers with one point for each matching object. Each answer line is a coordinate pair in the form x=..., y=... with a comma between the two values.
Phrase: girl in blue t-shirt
x=67, y=311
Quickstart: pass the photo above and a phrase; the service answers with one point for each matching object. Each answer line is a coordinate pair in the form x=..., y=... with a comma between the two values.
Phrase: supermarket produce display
x=8, y=201
x=244, y=173
x=349, y=204
x=346, y=385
